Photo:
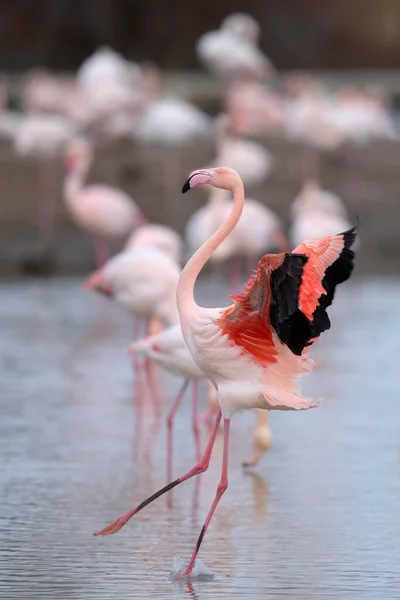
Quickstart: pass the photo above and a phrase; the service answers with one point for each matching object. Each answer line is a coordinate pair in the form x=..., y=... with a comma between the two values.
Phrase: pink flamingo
x=258, y=231
x=143, y=281
x=255, y=350
x=232, y=49
x=168, y=350
x=105, y=212
x=162, y=237
x=317, y=212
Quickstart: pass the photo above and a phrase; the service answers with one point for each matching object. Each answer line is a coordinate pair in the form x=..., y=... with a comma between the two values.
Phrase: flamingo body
x=162, y=237
x=258, y=230
x=252, y=161
x=254, y=351
x=168, y=349
x=225, y=54
x=105, y=67
x=142, y=280
x=104, y=211
x=172, y=121
x=43, y=135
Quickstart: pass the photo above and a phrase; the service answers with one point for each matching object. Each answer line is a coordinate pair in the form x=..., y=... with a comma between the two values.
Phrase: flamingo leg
x=222, y=486
x=170, y=422
x=102, y=252
x=136, y=336
x=195, y=416
x=151, y=379
x=199, y=467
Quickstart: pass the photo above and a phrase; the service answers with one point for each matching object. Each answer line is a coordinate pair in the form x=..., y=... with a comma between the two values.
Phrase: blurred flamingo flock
x=135, y=132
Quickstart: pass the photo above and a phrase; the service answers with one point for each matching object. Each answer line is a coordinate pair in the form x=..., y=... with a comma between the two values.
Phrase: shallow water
x=319, y=518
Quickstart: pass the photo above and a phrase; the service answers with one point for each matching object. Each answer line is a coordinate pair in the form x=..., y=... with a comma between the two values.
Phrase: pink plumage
x=103, y=211
x=256, y=350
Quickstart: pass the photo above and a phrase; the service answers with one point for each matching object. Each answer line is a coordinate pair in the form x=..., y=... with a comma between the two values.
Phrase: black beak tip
x=186, y=187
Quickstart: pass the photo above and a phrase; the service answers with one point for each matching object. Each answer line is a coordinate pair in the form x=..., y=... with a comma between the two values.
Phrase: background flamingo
x=168, y=350
x=143, y=281
x=232, y=50
x=255, y=350
x=160, y=236
x=317, y=212
x=258, y=231
x=105, y=212
x=251, y=160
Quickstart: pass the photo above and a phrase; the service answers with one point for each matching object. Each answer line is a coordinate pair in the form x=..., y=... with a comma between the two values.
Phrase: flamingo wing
x=330, y=262
x=267, y=303
x=289, y=294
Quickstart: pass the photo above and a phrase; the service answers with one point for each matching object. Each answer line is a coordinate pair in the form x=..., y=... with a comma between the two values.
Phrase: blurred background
x=316, y=85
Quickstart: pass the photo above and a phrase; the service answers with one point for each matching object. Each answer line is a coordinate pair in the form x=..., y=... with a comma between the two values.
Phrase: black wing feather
x=292, y=327
x=337, y=273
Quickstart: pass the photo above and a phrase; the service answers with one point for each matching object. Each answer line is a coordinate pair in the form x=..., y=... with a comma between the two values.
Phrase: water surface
x=319, y=518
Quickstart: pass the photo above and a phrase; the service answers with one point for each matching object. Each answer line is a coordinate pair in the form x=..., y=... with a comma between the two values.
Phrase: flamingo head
x=79, y=155
x=220, y=177
x=97, y=282
x=242, y=25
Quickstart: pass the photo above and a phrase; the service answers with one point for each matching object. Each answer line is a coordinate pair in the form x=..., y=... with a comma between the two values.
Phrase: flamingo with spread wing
x=256, y=350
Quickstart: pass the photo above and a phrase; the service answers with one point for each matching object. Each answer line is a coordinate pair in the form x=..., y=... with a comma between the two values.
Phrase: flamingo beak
x=96, y=282
x=186, y=186
x=197, y=178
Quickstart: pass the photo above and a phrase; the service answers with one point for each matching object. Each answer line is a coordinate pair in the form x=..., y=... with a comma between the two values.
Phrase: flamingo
x=107, y=67
x=242, y=25
x=313, y=197
x=251, y=160
x=317, y=212
x=169, y=351
x=262, y=438
x=258, y=231
x=110, y=89
x=160, y=236
x=254, y=109
x=105, y=212
x=172, y=121
x=143, y=281
x=255, y=350
x=232, y=50
x=42, y=91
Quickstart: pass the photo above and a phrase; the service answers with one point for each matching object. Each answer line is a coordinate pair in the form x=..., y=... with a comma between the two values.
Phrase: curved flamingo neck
x=187, y=280
x=74, y=182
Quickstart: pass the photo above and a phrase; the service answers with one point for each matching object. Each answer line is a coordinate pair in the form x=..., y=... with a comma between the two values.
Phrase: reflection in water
x=318, y=519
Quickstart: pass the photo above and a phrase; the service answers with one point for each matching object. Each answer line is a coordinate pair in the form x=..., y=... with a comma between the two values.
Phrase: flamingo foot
x=200, y=571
